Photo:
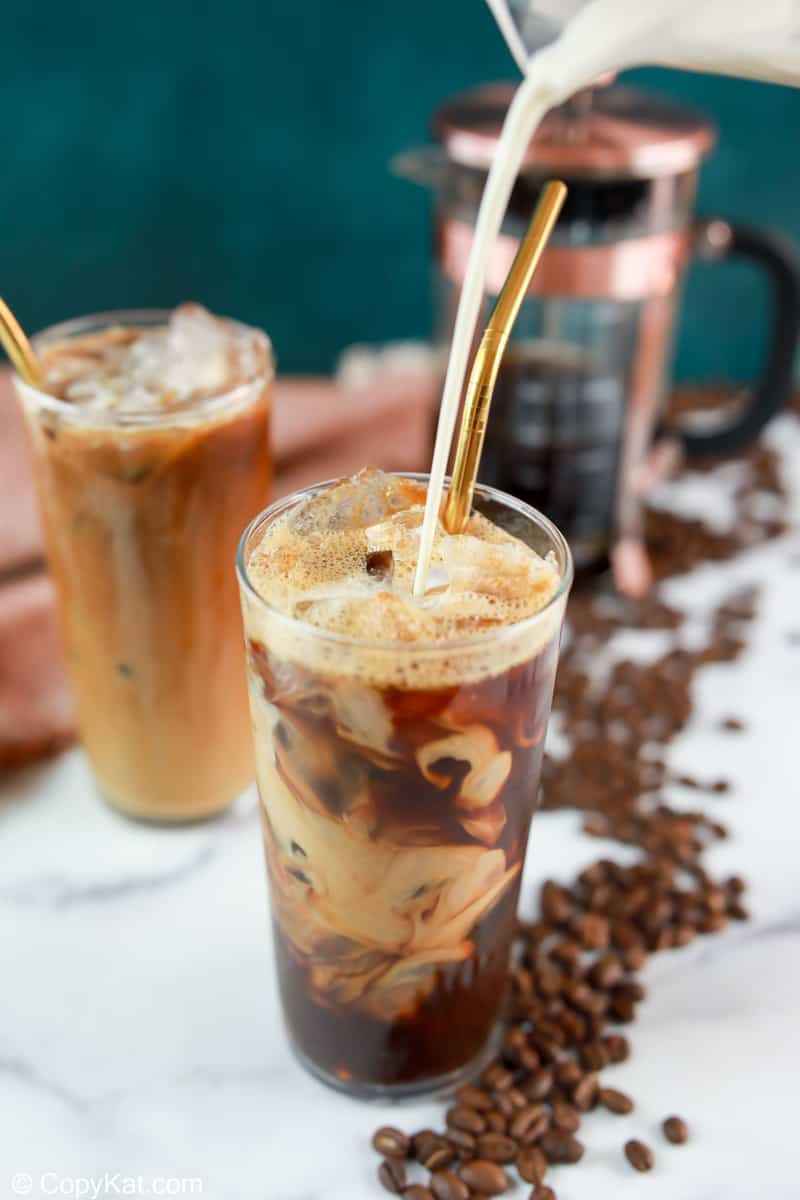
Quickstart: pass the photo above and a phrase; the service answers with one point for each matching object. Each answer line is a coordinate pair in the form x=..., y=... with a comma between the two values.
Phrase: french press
x=579, y=402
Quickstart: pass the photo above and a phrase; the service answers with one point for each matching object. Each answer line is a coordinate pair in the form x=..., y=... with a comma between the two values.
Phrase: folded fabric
x=381, y=415
x=36, y=716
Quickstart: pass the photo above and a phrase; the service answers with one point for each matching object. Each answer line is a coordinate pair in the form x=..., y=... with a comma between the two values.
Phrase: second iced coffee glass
x=142, y=509
x=395, y=819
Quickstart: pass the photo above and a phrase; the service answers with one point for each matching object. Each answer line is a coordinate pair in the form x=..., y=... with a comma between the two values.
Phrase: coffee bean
x=525, y=1118
x=540, y=1085
x=496, y=1122
x=517, y=1098
x=391, y=1142
x=594, y=1056
x=447, y=1186
x=485, y=1177
x=639, y=1155
x=497, y=1077
x=565, y=1117
x=549, y=1049
x=588, y=1000
x=634, y=958
x=392, y=1174
x=622, y=1009
x=663, y=940
x=496, y=1147
x=574, y=1026
x=585, y=1094
x=417, y=1192
x=422, y=1140
x=614, y=1101
x=715, y=899
x=625, y=936
x=561, y=1147
x=606, y=972
x=675, y=1130
x=617, y=1047
x=438, y=1155
x=529, y=1057
x=465, y=1118
x=549, y=983
x=475, y=1098
x=568, y=1074
x=542, y=1192
x=463, y=1142
x=503, y=1105
x=535, y=1130
x=567, y=951
x=593, y=875
x=593, y=931
x=532, y=1164
x=555, y=903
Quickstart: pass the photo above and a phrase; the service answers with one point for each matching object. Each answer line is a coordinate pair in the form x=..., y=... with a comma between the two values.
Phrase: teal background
x=238, y=154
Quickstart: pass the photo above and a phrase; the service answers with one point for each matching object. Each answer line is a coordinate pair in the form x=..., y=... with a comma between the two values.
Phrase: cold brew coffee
x=398, y=751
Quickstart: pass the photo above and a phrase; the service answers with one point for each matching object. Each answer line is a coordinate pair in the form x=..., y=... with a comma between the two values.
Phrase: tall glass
x=397, y=784
x=142, y=512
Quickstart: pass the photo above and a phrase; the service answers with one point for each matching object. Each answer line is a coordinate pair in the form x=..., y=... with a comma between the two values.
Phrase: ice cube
x=190, y=355
x=506, y=571
x=353, y=504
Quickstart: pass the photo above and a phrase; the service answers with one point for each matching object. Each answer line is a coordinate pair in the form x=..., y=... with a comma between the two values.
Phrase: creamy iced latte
x=398, y=749
x=150, y=446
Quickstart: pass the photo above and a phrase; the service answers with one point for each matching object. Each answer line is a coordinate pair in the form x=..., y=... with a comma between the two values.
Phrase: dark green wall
x=154, y=152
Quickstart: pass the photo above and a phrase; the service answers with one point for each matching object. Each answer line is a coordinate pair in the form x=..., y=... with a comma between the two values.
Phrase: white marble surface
x=139, y=1032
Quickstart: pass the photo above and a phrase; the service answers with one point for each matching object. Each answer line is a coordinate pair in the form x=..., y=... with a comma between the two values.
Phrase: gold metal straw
x=18, y=348
x=489, y=354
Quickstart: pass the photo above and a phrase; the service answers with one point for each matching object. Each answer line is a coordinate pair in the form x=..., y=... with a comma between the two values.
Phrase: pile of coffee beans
x=574, y=983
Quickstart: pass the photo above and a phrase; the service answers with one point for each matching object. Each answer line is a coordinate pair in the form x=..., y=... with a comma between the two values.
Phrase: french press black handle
x=715, y=240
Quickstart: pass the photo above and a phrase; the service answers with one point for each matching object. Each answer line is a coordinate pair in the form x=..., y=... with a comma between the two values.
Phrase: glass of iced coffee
x=150, y=447
x=398, y=750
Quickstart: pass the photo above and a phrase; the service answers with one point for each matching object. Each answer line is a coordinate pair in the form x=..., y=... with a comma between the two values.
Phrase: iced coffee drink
x=150, y=445
x=398, y=750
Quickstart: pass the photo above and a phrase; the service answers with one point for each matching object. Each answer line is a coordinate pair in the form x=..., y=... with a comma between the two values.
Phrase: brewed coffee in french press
x=580, y=398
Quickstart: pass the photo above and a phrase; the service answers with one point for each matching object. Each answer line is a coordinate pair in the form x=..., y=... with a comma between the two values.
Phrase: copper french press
x=578, y=426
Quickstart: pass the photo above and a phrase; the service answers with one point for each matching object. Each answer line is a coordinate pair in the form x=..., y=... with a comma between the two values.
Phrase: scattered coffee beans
x=675, y=1130
x=639, y=1155
x=574, y=980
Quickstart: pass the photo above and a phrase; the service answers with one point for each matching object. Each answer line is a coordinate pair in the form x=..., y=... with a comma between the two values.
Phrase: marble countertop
x=140, y=1040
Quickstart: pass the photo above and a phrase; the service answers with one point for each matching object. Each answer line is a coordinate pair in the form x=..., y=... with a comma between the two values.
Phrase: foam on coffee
x=123, y=370
x=343, y=561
